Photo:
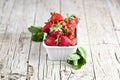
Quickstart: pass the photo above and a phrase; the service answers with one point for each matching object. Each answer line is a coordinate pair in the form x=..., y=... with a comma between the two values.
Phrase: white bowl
x=60, y=52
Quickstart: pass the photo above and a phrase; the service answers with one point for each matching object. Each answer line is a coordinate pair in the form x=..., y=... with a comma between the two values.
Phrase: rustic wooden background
x=22, y=59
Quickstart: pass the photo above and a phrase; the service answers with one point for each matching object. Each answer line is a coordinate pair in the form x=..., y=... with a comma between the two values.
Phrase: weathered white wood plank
x=105, y=62
x=23, y=45
x=5, y=10
x=16, y=43
x=3, y=31
x=102, y=35
x=100, y=26
x=98, y=20
x=5, y=14
x=113, y=7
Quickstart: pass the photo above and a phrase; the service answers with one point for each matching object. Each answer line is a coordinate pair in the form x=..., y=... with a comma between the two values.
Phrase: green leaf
x=38, y=37
x=37, y=34
x=77, y=59
x=81, y=51
x=34, y=29
x=73, y=57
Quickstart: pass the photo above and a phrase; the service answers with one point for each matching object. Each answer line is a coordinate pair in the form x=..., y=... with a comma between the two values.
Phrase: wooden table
x=22, y=59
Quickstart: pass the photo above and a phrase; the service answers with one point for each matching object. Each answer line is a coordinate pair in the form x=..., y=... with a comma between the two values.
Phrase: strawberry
x=72, y=23
x=56, y=17
x=76, y=20
x=46, y=28
x=56, y=33
x=50, y=41
x=63, y=23
x=72, y=30
x=73, y=41
x=64, y=41
x=71, y=35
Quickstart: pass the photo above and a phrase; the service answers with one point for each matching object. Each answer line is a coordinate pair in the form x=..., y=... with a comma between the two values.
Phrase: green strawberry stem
x=56, y=27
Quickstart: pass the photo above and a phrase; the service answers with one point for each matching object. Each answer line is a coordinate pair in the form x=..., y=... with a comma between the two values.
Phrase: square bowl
x=60, y=52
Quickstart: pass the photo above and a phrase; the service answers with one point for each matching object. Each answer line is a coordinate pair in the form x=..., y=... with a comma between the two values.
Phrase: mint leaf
x=77, y=59
x=37, y=34
x=73, y=57
x=81, y=51
x=34, y=29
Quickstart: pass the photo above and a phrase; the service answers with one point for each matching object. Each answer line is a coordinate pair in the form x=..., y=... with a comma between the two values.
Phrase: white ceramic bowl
x=60, y=52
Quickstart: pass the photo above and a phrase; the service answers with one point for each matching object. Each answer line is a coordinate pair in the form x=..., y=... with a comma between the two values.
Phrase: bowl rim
x=46, y=46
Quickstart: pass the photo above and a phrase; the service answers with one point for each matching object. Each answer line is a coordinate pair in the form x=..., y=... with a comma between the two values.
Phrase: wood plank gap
x=60, y=5
x=43, y=72
x=117, y=29
x=52, y=68
x=117, y=58
x=89, y=40
x=69, y=75
x=35, y=12
x=118, y=73
x=60, y=71
x=39, y=61
x=13, y=58
x=54, y=77
x=27, y=78
x=46, y=64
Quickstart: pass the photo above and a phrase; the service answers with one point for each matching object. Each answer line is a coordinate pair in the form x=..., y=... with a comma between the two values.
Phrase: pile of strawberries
x=61, y=31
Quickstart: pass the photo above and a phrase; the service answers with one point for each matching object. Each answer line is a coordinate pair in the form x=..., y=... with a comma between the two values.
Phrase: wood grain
x=99, y=34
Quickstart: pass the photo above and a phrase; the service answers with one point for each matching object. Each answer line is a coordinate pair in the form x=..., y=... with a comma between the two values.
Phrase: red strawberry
x=72, y=23
x=64, y=41
x=63, y=23
x=69, y=26
x=56, y=33
x=73, y=41
x=72, y=30
x=50, y=41
x=76, y=20
x=46, y=28
x=71, y=35
x=56, y=17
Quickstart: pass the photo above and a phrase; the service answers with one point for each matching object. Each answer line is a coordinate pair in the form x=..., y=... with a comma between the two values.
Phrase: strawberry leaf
x=56, y=27
x=66, y=30
x=37, y=34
